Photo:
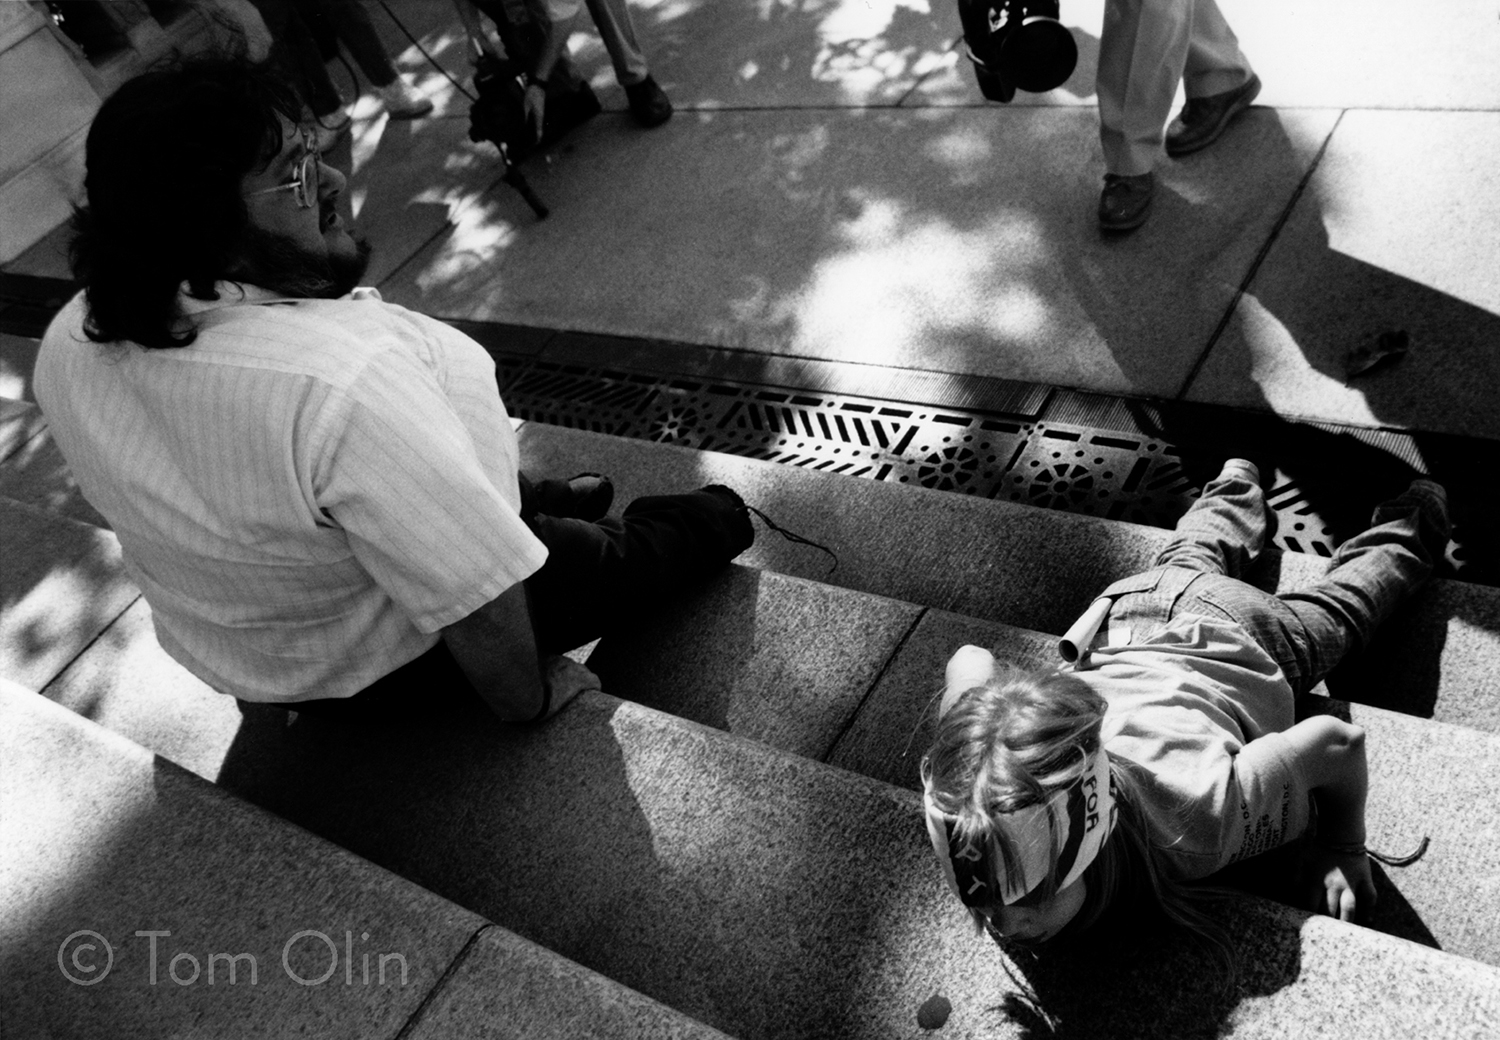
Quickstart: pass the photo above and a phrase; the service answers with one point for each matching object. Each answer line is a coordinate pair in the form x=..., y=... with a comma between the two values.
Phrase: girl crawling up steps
x=1169, y=749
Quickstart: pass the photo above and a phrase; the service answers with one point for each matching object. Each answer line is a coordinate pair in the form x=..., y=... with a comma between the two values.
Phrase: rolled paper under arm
x=1077, y=639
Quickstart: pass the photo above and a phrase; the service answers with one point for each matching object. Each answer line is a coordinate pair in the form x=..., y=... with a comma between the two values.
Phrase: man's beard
x=283, y=266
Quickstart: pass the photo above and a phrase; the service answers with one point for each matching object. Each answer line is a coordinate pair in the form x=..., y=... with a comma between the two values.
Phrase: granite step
x=770, y=895
x=262, y=929
x=847, y=677
x=850, y=678
x=261, y=755
x=1438, y=657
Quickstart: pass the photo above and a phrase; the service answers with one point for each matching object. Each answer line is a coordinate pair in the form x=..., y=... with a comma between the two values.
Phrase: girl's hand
x=1336, y=883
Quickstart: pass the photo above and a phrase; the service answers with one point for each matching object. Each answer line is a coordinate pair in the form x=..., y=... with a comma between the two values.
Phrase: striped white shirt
x=306, y=494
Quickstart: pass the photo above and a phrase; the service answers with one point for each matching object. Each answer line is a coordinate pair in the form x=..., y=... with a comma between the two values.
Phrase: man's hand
x=565, y=679
x=1336, y=883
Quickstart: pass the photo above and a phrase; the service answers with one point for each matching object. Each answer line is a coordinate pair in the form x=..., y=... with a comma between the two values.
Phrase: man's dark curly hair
x=165, y=157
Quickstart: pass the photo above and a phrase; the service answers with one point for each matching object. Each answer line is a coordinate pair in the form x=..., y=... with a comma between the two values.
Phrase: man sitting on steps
x=318, y=492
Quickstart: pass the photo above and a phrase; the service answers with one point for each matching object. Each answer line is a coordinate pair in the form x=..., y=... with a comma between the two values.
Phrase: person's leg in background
x=1217, y=80
x=357, y=33
x=1145, y=50
x=295, y=54
x=649, y=104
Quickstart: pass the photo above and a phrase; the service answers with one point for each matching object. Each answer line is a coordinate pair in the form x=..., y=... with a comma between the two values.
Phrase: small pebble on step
x=934, y=1012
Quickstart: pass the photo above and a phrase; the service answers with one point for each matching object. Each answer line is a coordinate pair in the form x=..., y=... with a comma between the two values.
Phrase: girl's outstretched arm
x=1336, y=867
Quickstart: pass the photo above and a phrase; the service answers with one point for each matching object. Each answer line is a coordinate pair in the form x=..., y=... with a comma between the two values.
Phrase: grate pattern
x=1054, y=465
x=836, y=433
x=1059, y=449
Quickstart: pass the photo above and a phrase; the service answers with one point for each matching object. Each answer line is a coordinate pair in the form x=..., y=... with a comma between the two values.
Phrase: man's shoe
x=1126, y=201
x=648, y=103
x=587, y=496
x=402, y=100
x=1202, y=120
x=593, y=494
x=739, y=532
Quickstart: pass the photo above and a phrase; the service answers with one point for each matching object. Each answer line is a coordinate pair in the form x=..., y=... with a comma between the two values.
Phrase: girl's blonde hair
x=1015, y=741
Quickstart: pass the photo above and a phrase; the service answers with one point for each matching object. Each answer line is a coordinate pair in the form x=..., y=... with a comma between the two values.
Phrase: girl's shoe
x=402, y=100
x=1436, y=526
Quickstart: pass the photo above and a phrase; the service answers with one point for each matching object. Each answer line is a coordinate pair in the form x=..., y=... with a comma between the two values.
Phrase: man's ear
x=969, y=667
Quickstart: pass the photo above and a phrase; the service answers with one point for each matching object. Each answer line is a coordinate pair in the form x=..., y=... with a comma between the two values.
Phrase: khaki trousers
x=1146, y=49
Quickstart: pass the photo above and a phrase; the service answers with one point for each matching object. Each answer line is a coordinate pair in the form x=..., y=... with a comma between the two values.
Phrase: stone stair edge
x=607, y=704
x=874, y=730
x=573, y=995
x=1309, y=563
x=1026, y=565
x=866, y=829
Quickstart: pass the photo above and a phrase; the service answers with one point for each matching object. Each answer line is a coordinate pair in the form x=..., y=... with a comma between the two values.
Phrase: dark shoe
x=1126, y=201
x=648, y=103
x=567, y=111
x=743, y=535
x=593, y=494
x=1202, y=120
x=1435, y=527
x=587, y=496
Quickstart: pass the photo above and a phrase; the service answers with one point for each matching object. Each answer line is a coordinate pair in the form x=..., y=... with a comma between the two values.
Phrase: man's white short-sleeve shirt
x=306, y=494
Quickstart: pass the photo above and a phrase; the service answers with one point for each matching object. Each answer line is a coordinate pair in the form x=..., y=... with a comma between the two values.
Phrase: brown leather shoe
x=1202, y=120
x=1126, y=201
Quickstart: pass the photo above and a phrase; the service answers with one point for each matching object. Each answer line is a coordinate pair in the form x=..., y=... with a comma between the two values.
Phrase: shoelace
x=1360, y=848
x=795, y=538
x=1401, y=861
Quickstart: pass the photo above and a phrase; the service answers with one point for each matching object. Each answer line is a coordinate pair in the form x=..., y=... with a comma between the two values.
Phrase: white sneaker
x=402, y=100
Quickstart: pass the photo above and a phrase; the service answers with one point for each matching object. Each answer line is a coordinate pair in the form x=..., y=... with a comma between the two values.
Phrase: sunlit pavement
x=833, y=186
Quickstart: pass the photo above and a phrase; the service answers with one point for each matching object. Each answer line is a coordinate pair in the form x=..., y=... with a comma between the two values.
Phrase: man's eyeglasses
x=304, y=182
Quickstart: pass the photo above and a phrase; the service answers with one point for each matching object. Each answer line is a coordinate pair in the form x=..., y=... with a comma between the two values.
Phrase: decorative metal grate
x=1054, y=465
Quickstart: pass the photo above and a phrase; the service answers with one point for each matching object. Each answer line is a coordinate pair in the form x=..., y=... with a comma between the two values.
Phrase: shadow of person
x=1131, y=978
x=1274, y=875
x=1334, y=475
x=638, y=846
x=497, y=818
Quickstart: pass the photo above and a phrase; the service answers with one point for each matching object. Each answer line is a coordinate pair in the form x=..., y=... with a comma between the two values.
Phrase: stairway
x=738, y=840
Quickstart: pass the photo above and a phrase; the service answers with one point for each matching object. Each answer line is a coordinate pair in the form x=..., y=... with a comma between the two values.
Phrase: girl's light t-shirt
x=1203, y=707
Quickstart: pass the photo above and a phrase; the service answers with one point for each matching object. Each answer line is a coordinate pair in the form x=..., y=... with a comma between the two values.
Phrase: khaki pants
x=1146, y=49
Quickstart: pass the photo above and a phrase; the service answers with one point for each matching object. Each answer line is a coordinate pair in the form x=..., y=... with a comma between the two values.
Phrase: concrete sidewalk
x=833, y=186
